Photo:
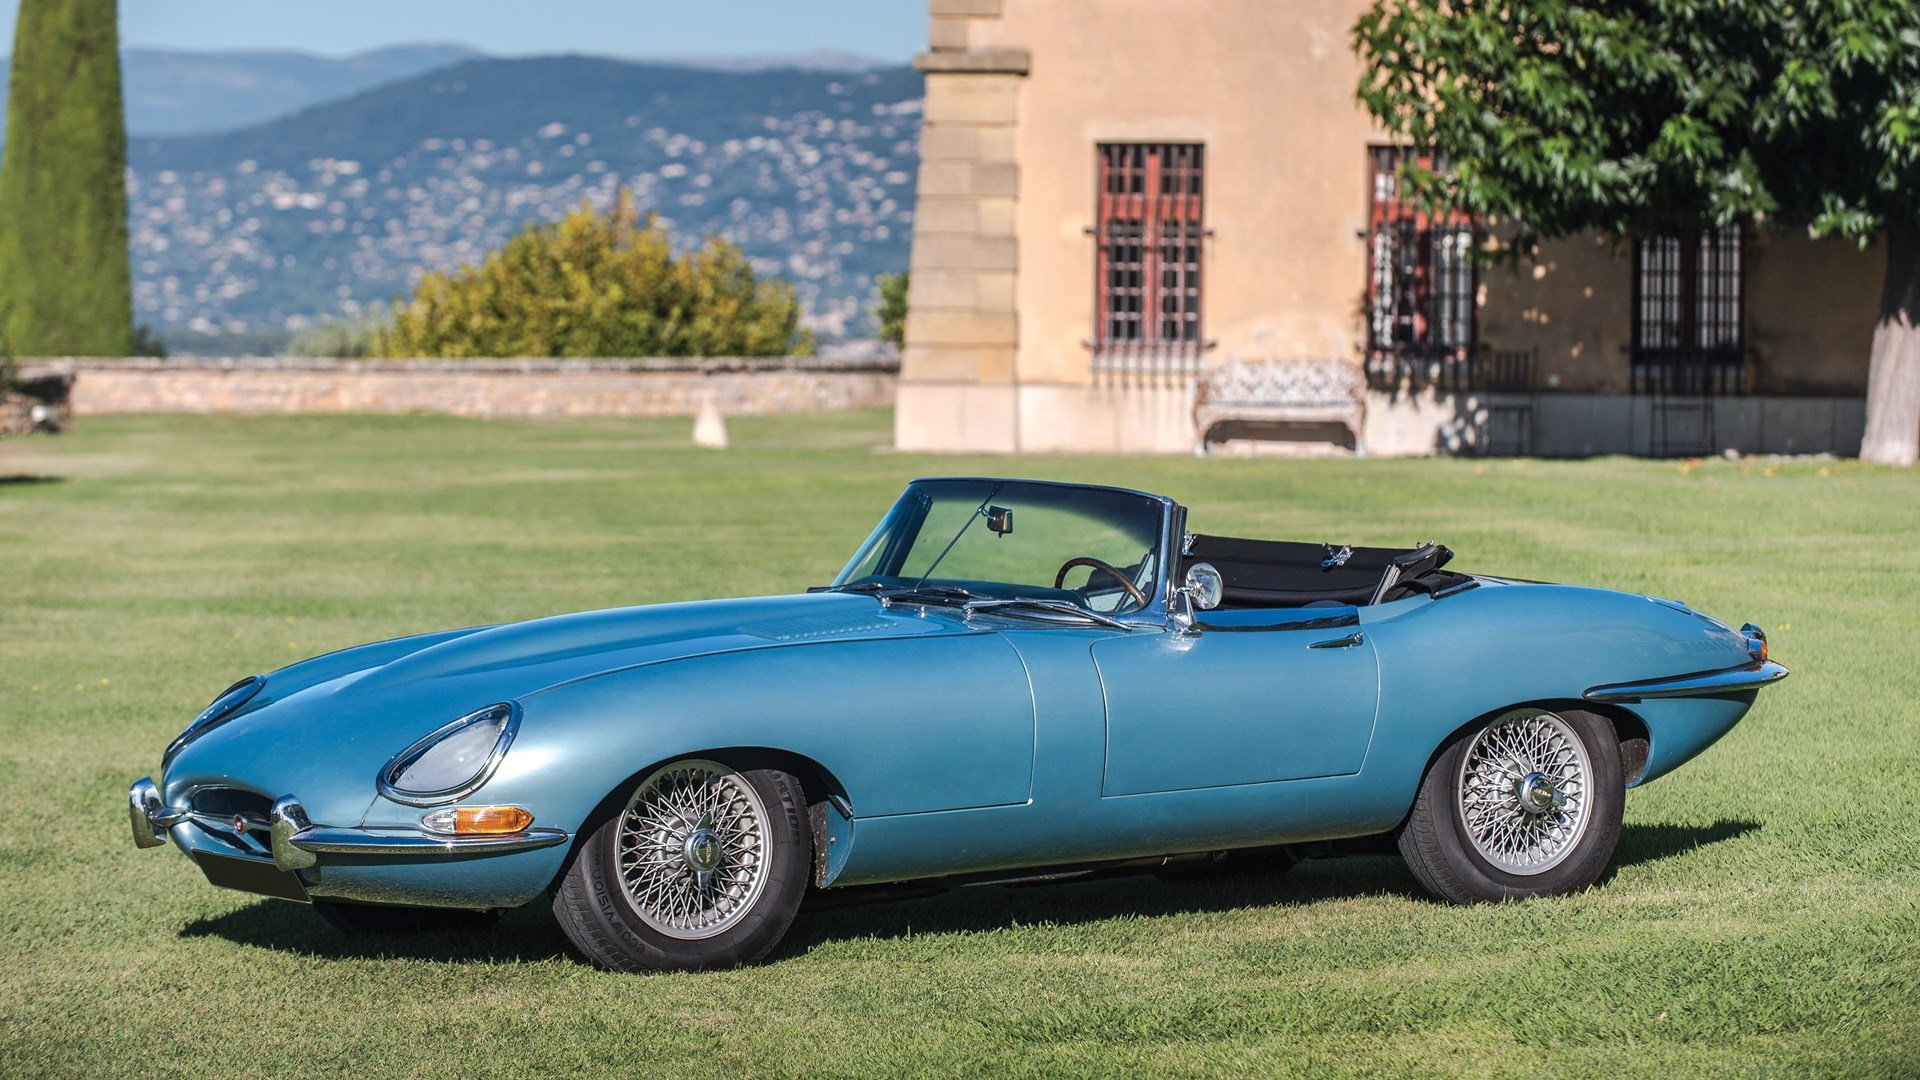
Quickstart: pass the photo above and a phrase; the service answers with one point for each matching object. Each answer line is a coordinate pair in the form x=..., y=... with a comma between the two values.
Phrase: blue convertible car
x=1010, y=679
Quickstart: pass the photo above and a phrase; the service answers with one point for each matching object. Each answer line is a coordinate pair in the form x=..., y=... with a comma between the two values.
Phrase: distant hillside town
x=244, y=237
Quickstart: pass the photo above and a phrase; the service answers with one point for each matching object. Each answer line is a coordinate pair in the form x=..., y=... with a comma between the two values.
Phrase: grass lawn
x=1765, y=916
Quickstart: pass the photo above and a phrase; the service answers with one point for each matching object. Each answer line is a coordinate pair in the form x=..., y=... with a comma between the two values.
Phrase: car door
x=1242, y=697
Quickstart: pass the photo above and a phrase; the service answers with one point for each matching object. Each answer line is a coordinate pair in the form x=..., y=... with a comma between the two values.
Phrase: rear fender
x=1450, y=663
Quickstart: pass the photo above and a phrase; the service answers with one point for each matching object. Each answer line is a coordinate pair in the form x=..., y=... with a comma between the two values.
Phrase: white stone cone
x=709, y=427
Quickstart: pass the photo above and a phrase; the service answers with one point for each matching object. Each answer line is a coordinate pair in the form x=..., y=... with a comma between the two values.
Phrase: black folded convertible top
x=1280, y=573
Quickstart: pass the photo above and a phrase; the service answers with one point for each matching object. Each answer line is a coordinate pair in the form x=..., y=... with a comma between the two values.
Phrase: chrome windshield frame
x=1167, y=548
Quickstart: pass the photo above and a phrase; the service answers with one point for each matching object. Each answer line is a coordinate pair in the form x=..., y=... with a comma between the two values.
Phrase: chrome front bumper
x=296, y=843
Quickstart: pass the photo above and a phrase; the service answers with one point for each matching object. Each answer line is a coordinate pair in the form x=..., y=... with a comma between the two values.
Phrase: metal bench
x=1307, y=402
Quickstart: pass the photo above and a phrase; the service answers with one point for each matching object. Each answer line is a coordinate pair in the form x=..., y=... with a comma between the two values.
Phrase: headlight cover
x=225, y=704
x=453, y=761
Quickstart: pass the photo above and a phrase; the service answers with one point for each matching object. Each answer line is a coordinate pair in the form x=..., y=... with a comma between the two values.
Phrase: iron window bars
x=1421, y=278
x=1689, y=319
x=1149, y=234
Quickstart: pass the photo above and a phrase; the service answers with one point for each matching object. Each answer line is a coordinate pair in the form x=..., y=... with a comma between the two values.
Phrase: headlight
x=224, y=705
x=452, y=761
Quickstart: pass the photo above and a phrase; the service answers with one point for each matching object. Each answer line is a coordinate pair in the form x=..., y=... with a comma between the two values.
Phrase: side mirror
x=1204, y=586
x=1000, y=520
x=1201, y=590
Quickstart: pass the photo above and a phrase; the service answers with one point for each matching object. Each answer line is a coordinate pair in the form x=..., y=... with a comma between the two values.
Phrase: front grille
x=215, y=808
x=225, y=802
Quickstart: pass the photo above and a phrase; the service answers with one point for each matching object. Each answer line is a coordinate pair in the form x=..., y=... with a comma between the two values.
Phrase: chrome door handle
x=1347, y=642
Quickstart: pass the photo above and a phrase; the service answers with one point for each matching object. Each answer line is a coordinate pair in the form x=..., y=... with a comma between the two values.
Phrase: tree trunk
x=1893, y=379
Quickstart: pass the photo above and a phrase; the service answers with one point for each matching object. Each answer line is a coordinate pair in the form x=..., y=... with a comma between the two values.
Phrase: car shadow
x=529, y=933
x=1641, y=844
x=522, y=935
x=1226, y=889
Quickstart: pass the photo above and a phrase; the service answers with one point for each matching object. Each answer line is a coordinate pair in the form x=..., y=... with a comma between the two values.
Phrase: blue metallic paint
x=961, y=744
x=1278, y=708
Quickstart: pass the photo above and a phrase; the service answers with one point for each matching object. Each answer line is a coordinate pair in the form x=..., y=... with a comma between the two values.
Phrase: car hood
x=322, y=728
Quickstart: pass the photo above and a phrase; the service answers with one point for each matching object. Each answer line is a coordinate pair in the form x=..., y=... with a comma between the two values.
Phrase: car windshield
x=1096, y=548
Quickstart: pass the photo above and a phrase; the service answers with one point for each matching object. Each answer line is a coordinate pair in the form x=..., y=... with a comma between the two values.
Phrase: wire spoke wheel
x=692, y=849
x=1525, y=791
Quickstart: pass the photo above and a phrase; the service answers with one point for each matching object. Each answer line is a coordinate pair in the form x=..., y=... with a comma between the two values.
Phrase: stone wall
x=1585, y=425
x=523, y=388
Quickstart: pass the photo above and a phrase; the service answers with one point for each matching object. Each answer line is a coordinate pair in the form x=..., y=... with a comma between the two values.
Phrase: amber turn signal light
x=479, y=820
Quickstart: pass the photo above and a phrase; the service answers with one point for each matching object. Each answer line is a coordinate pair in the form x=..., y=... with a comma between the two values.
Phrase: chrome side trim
x=298, y=843
x=1731, y=680
x=323, y=840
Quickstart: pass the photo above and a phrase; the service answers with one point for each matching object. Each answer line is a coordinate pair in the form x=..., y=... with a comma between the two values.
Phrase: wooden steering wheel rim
x=1098, y=564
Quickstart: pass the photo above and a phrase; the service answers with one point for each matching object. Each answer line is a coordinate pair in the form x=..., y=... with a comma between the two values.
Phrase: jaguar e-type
x=1011, y=679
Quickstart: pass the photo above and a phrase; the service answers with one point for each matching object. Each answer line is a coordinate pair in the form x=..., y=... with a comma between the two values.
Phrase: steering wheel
x=1106, y=567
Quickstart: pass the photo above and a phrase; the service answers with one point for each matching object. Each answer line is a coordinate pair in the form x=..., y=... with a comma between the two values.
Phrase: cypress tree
x=65, y=285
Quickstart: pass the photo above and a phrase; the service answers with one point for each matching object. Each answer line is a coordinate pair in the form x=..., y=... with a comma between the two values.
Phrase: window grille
x=1688, y=313
x=1421, y=281
x=1150, y=233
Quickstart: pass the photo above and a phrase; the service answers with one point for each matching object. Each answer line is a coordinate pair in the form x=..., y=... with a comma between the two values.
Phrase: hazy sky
x=885, y=29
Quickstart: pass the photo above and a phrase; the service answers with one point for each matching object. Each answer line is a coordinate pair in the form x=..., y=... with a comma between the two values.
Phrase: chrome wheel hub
x=1524, y=791
x=701, y=849
x=1537, y=794
x=692, y=849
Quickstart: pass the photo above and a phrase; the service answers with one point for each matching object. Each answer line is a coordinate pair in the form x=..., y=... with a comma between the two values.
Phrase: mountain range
x=272, y=192
x=172, y=92
x=183, y=92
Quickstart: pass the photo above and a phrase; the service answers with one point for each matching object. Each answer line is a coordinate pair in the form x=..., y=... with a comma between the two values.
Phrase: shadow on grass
x=529, y=933
x=1651, y=843
x=23, y=479
x=526, y=934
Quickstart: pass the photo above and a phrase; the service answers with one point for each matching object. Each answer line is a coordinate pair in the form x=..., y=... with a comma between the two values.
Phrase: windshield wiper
x=930, y=594
x=911, y=594
x=1058, y=607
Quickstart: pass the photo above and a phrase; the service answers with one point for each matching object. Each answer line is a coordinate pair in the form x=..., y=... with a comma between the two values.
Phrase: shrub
x=594, y=284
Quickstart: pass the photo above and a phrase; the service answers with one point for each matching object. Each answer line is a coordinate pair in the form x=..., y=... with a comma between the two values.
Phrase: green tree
x=1644, y=118
x=891, y=312
x=595, y=284
x=65, y=286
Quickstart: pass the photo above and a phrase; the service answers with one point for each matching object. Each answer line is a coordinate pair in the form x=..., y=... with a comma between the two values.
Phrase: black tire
x=387, y=920
x=596, y=912
x=1438, y=849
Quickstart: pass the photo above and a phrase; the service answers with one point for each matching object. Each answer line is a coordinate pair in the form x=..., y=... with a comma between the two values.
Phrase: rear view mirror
x=1000, y=520
x=1204, y=586
x=1201, y=589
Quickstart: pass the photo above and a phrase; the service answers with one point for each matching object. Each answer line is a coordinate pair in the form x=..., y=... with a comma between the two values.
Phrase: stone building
x=1149, y=225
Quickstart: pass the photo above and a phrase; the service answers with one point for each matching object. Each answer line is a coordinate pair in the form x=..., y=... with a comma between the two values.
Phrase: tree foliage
x=891, y=313
x=1656, y=117
x=1666, y=116
x=594, y=284
x=65, y=285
